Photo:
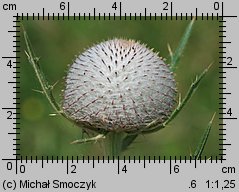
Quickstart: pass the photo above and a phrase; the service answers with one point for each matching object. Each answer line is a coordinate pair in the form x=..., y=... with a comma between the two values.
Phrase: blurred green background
x=58, y=42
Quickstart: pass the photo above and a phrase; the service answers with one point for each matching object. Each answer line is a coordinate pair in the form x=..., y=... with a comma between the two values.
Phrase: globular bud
x=119, y=85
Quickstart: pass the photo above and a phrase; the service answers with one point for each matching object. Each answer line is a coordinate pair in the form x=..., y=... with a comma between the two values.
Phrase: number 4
x=114, y=6
x=124, y=169
x=229, y=112
x=9, y=64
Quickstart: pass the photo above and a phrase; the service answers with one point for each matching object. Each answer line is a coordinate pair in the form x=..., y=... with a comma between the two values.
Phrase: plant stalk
x=114, y=143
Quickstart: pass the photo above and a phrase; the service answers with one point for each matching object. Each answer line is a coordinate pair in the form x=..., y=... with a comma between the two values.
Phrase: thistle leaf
x=46, y=88
x=175, y=57
x=203, y=141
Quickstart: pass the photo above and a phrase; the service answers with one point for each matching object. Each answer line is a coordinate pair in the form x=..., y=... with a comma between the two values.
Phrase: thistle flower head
x=119, y=85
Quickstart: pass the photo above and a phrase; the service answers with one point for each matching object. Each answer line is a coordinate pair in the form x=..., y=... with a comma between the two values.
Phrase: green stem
x=114, y=144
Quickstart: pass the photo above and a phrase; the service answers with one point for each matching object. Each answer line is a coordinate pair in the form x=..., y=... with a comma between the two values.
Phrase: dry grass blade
x=87, y=140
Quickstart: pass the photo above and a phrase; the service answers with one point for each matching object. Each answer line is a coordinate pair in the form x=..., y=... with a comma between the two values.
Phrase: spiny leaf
x=203, y=140
x=46, y=88
x=175, y=57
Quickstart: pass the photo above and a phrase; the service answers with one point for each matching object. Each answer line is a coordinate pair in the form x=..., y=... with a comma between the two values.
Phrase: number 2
x=166, y=6
x=229, y=60
x=10, y=115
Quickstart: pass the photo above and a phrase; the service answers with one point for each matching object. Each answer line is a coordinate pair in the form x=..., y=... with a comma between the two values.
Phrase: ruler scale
x=137, y=172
